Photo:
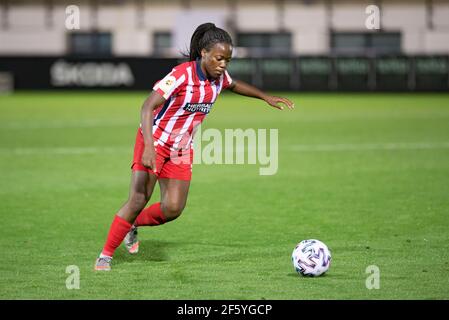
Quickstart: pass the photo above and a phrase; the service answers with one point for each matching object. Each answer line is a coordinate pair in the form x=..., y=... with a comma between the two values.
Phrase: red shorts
x=169, y=164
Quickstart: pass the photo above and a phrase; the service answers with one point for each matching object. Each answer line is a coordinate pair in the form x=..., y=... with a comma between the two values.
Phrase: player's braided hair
x=206, y=36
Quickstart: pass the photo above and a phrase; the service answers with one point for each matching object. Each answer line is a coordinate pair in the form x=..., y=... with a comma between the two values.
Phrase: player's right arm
x=146, y=114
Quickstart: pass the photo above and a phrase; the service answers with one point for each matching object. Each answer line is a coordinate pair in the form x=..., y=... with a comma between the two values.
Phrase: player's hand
x=275, y=101
x=149, y=158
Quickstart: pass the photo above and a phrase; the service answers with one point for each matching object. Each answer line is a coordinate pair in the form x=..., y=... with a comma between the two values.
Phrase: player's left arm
x=248, y=90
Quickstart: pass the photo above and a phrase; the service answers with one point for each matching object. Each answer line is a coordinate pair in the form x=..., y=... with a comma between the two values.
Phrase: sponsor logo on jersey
x=198, y=107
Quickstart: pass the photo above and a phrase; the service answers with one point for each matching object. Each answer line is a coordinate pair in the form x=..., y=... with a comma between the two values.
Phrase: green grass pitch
x=366, y=174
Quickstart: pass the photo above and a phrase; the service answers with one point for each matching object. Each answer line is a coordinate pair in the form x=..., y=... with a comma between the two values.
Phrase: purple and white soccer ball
x=311, y=257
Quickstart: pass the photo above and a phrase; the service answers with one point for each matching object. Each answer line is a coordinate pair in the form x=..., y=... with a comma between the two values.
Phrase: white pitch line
x=369, y=146
x=341, y=147
x=65, y=150
x=64, y=125
x=94, y=123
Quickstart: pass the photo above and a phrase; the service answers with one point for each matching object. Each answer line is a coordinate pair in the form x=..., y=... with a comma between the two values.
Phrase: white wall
x=441, y=16
x=262, y=18
x=349, y=15
x=436, y=42
x=26, y=43
x=27, y=17
x=29, y=34
x=112, y=17
x=308, y=24
x=410, y=20
x=127, y=42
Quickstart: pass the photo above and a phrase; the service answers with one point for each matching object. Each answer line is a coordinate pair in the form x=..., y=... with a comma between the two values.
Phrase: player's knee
x=172, y=209
x=137, y=201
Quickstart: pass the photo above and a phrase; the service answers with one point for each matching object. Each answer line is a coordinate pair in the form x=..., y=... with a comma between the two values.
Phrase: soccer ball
x=311, y=258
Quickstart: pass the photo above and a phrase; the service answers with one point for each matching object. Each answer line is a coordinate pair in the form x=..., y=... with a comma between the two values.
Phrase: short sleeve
x=227, y=80
x=171, y=83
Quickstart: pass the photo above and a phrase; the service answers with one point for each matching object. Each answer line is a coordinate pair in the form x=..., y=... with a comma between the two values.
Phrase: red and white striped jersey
x=189, y=98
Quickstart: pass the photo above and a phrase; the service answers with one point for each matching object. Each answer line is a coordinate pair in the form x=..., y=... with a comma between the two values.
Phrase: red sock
x=119, y=228
x=151, y=216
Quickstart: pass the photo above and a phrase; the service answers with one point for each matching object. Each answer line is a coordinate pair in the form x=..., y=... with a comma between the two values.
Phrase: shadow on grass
x=159, y=251
x=149, y=250
x=296, y=275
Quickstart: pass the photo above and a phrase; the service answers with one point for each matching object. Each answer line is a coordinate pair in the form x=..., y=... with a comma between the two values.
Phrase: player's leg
x=173, y=201
x=151, y=216
x=140, y=191
x=174, y=181
x=174, y=174
x=141, y=188
x=131, y=241
x=174, y=194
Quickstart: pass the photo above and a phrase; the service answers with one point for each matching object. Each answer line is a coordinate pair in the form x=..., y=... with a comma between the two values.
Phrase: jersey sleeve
x=227, y=80
x=171, y=83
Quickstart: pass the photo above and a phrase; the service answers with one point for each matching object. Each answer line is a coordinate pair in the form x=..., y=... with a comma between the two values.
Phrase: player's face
x=216, y=60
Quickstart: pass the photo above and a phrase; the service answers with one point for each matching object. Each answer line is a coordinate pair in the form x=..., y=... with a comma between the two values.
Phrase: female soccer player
x=163, y=152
